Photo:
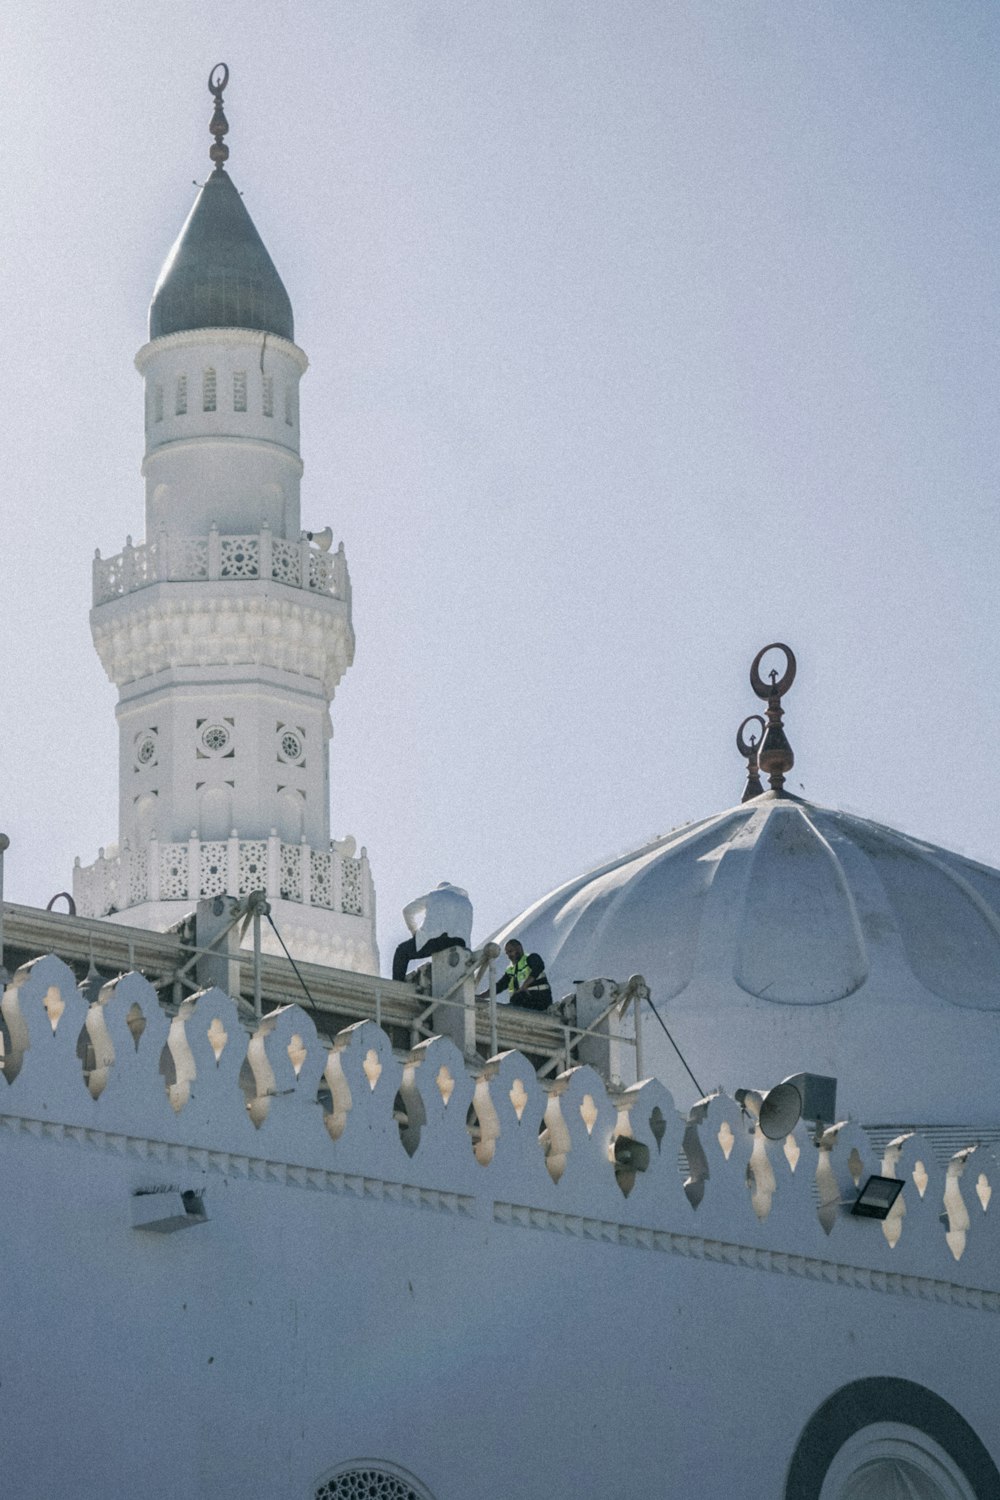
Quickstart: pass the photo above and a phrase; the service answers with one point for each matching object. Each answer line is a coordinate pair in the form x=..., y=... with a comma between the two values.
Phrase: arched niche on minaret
x=215, y=812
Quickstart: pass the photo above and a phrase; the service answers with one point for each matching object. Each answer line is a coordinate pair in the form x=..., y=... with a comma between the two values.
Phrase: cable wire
x=680, y=1054
x=294, y=965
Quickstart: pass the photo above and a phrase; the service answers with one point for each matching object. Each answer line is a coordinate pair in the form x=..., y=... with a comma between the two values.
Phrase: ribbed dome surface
x=781, y=936
x=218, y=273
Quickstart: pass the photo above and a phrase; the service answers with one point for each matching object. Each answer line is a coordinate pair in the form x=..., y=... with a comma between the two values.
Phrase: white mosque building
x=278, y=1226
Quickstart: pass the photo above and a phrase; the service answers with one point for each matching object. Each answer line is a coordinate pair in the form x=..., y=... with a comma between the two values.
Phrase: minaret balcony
x=186, y=559
x=190, y=870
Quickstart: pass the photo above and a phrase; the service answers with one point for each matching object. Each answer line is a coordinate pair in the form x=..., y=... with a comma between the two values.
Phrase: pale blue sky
x=641, y=334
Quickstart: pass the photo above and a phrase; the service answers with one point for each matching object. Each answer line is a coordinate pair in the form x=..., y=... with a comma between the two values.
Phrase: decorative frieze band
x=250, y=1168
x=694, y=1247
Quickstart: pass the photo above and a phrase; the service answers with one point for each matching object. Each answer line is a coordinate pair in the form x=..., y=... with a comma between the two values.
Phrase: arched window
x=884, y=1437
x=215, y=812
x=145, y=817
x=291, y=809
x=888, y=1459
x=370, y=1480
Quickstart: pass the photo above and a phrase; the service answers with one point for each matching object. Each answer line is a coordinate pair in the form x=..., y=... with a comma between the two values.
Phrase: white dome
x=779, y=937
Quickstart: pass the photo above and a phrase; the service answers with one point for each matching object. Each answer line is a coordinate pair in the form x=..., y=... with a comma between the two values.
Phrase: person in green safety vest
x=525, y=978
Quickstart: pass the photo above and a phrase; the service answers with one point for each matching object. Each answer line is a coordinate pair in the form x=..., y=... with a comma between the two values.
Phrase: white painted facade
x=490, y=1313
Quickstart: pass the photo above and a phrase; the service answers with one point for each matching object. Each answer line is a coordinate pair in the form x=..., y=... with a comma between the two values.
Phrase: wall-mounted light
x=164, y=1210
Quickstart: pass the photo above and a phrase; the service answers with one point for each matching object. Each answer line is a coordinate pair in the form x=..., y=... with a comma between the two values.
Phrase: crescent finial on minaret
x=217, y=81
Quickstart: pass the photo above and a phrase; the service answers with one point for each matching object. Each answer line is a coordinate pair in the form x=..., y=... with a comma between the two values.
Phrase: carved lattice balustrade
x=187, y=559
x=335, y=879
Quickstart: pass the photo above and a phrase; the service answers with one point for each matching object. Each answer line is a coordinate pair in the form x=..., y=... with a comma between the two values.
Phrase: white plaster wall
x=490, y=1330
x=313, y=934
x=231, y=468
x=292, y=1332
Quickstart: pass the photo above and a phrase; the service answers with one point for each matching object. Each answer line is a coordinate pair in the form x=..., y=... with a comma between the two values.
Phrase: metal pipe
x=494, y=1044
x=258, y=1008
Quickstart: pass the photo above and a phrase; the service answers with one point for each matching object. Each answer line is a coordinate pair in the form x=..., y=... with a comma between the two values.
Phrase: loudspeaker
x=819, y=1096
x=323, y=539
x=777, y=1111
x=631, y=1155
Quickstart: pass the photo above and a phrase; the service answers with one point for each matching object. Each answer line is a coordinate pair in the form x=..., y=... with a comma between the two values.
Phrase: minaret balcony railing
x=194, y=869
x=194, y=559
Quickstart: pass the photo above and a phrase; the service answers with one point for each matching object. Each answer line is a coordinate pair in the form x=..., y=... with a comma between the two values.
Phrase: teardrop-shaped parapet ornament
x=748, y=749
x=775, y=755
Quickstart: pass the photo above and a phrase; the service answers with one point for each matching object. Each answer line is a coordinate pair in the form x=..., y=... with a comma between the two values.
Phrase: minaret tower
x=227, y=630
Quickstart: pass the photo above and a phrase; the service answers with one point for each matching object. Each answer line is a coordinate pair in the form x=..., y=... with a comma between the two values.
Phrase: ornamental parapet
x=172, y=558
x=335, y=879
x=205, y=1093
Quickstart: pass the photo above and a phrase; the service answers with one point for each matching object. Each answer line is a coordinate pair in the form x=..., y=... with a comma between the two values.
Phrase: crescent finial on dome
x=775, y=754
x=749, y=748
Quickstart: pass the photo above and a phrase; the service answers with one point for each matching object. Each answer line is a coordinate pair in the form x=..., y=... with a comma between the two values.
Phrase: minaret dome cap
x=218, y=273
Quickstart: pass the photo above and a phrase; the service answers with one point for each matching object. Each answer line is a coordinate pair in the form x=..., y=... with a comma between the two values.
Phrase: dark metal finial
x=748, y=748
x=775, y=753
x=217, y=81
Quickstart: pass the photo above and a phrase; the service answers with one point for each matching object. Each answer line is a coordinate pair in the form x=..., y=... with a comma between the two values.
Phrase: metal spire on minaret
x=218, y=79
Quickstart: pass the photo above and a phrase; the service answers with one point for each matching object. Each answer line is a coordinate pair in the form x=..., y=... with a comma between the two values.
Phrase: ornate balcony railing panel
x=186, y=559
x=335, y=879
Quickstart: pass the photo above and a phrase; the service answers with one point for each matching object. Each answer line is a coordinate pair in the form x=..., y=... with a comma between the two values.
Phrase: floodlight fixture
x=877, y=1197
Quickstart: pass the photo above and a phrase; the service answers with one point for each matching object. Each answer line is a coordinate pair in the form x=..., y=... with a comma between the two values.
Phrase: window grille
x=181, y=404
x=269, y=395
x=370, y=1482
x=240, y=390
x=208, y=390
